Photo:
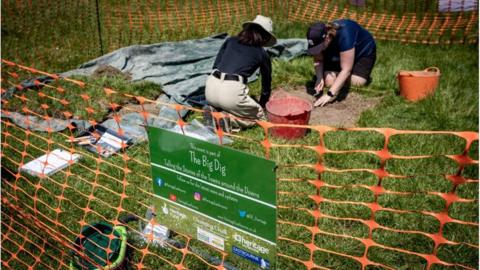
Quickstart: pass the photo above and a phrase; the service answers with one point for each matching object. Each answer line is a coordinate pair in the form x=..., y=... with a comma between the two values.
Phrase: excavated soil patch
x=344, y=113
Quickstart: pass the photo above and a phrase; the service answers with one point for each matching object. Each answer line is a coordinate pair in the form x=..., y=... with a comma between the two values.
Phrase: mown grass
x=454, y=106
x=63, y=99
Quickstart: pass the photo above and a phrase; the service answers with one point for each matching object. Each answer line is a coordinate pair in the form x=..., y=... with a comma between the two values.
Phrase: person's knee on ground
x=357, y=81
x=247, y=117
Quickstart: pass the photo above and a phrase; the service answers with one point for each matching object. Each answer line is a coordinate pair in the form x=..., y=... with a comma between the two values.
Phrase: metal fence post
x=99, y=27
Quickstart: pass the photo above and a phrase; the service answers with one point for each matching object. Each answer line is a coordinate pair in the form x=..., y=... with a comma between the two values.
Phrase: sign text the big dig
x=222, y=197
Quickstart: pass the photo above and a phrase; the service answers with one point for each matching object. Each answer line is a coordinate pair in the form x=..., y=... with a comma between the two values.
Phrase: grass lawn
x=92, y=189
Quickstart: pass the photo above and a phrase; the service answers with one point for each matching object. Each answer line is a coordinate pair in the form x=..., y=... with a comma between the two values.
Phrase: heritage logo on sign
x=250, y=244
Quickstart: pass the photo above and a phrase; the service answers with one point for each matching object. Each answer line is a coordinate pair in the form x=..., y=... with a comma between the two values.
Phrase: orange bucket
x=416, y=85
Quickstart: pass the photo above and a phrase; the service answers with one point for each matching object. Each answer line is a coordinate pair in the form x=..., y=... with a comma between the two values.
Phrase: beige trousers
x=232, y=97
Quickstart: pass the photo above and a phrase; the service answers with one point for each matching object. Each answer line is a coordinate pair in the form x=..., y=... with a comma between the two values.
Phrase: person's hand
x=324, y=99
x=319, y=86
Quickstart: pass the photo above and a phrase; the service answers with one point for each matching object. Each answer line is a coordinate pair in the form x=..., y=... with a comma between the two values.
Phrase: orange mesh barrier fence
x=32, y=31
x=141, y=22
x=356, y=198
x=43, y=31
x=406, y=21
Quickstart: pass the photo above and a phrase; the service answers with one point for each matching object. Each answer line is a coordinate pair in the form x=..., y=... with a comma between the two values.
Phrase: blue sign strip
x=264, y=264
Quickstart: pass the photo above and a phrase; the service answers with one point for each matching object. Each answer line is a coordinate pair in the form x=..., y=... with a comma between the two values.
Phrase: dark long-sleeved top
x=236, y=58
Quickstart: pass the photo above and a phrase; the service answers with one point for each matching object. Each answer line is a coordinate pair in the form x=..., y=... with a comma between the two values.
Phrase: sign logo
x=173, y=197
x=165, y=209
x=197, y=196
x=160, y=182
x=250, y=244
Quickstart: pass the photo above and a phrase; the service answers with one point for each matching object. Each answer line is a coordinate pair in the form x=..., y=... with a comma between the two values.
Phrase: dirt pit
x=344, y=113
x=111, y=72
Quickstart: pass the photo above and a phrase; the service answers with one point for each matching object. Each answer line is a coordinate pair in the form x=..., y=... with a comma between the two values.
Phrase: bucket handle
x=434, y=69
x=429, y=69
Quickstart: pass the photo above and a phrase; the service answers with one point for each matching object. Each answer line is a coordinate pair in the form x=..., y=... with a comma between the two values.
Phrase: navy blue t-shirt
x=350, y=35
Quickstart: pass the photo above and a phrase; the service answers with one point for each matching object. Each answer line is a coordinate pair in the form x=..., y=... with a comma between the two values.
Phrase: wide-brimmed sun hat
x=266, y=24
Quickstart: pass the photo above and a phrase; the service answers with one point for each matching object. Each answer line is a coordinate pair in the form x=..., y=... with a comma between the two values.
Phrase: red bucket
x=288, y=110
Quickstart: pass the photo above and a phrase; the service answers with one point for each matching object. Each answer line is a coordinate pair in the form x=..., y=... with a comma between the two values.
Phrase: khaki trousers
x=232, y=97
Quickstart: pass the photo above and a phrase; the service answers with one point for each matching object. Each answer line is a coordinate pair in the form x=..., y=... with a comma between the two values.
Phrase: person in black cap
x=343, y=52
x=239, y=57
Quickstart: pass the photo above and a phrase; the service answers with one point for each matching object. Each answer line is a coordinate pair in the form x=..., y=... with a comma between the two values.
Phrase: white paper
x=50, y=163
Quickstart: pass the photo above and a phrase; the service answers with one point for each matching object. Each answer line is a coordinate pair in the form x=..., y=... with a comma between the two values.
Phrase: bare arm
x=266, y=73
x=346, y=64
x=318, y=65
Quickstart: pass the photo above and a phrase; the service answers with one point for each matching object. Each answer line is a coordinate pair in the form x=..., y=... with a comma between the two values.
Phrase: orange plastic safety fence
x=403, y=21
x=399, y=20
x=320, y=228
x=139, y=22
x=378, y=190
x=89, y=28
x=37, y=32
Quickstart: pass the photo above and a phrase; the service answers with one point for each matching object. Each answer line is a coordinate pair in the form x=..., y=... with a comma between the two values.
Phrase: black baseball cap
x=316, y=34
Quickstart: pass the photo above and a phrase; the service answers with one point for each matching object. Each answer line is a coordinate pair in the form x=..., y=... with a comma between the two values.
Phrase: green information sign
x=220, y=196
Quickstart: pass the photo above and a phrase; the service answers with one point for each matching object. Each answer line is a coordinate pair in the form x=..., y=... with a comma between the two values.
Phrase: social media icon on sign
x=160, y=182
x=242, y=213
x=197, y=196
x=173, y=197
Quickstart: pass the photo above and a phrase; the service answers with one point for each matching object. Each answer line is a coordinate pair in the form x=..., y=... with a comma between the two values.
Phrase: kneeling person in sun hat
x=239, y=57
x=343, y=52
